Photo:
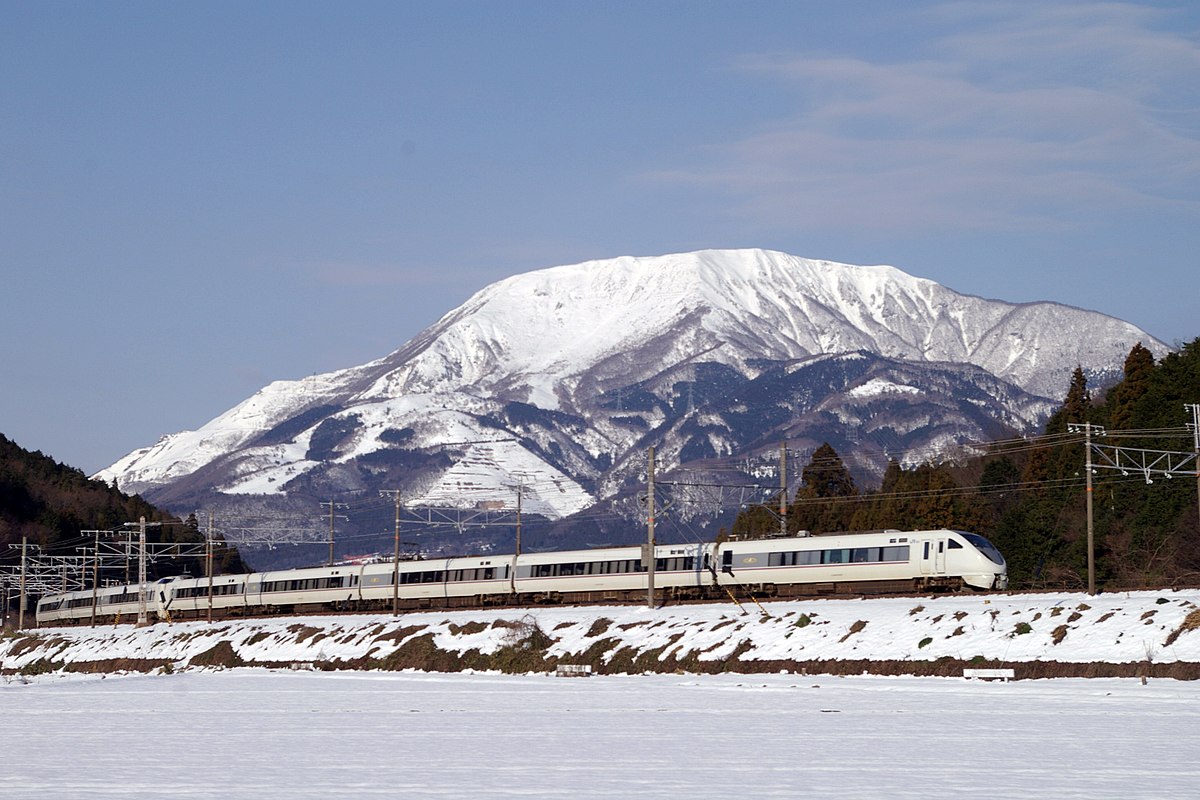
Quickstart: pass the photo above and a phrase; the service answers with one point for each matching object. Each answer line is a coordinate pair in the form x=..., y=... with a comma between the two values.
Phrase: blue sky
x=197, y=199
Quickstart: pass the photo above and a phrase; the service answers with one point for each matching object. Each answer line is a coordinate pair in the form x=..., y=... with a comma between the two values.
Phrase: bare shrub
x=527, y=635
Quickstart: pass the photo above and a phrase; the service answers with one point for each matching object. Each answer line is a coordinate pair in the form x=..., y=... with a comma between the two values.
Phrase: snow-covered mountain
x=559, y=379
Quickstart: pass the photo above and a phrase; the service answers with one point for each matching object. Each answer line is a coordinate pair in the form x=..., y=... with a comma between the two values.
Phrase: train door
x=933, y=557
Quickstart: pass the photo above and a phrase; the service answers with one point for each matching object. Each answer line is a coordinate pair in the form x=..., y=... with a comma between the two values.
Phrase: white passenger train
x=887, y=561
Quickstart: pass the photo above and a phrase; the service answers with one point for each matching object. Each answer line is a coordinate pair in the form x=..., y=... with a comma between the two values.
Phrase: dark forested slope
x=49, y=503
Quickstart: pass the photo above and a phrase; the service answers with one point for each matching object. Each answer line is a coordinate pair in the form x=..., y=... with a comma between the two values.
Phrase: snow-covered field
x=254, y=733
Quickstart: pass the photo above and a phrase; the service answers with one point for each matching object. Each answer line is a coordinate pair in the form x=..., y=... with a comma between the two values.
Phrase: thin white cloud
x=1018, y=116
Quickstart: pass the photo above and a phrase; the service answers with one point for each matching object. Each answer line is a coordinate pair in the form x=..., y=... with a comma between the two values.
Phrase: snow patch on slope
x=878, y=386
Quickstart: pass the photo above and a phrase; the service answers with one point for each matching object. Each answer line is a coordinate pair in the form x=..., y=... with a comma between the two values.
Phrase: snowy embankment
x=1139, y=633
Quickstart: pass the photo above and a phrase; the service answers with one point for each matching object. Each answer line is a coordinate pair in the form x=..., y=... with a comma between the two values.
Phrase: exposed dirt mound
x=220, y=654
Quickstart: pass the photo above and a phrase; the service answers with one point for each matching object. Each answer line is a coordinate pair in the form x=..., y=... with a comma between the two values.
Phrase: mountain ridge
x=567, y=373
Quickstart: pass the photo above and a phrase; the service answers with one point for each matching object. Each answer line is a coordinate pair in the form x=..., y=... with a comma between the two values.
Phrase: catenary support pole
x=783, y=489
x=142, y=619
x=1195, y=408
x=1091, y=539
x=1088, y=429
x=396, y=562
x=650, y=554
x=95, y=577
x=331, y=507
x=208, y=558
x=21, y=608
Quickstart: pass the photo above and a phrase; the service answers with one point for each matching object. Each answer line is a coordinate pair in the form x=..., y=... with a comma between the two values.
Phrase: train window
x=985, y=547
x=953, y=545
x=861, y=555
x=897, y=553
x=927, y=550
x=781, y=559
x=840, y=556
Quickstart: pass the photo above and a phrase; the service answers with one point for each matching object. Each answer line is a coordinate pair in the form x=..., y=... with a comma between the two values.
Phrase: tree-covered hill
x=49, y=503
x=1028, y=495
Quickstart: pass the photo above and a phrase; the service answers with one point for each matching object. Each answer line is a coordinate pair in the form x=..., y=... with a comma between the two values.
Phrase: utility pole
x=128, y=552
x=1087, y=429
x=21, y=608
x=95, y=577
x=650, y=555
x=332, y=505
x=208, y=560
x=783, y=489
x=512, y=570
x=520, y=491
x=1195, y=408
x=142, y=621
x=395, y=555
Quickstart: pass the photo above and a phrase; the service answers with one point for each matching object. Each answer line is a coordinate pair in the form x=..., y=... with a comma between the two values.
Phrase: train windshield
x=985, y=547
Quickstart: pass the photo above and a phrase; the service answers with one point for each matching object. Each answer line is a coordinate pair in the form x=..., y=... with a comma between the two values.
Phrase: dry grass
x=855, y=628
x=1190, y=623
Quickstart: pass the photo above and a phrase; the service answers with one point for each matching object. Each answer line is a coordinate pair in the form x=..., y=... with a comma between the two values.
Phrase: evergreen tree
x=1139, y=365
x=821, y=504
x=1076, y=407
x=755, y=522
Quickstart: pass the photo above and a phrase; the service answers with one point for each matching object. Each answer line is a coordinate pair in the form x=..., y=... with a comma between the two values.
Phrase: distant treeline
x=49, y=503
x=1028, y=495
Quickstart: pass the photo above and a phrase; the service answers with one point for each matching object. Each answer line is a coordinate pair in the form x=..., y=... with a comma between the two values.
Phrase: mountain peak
x=568, y=372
